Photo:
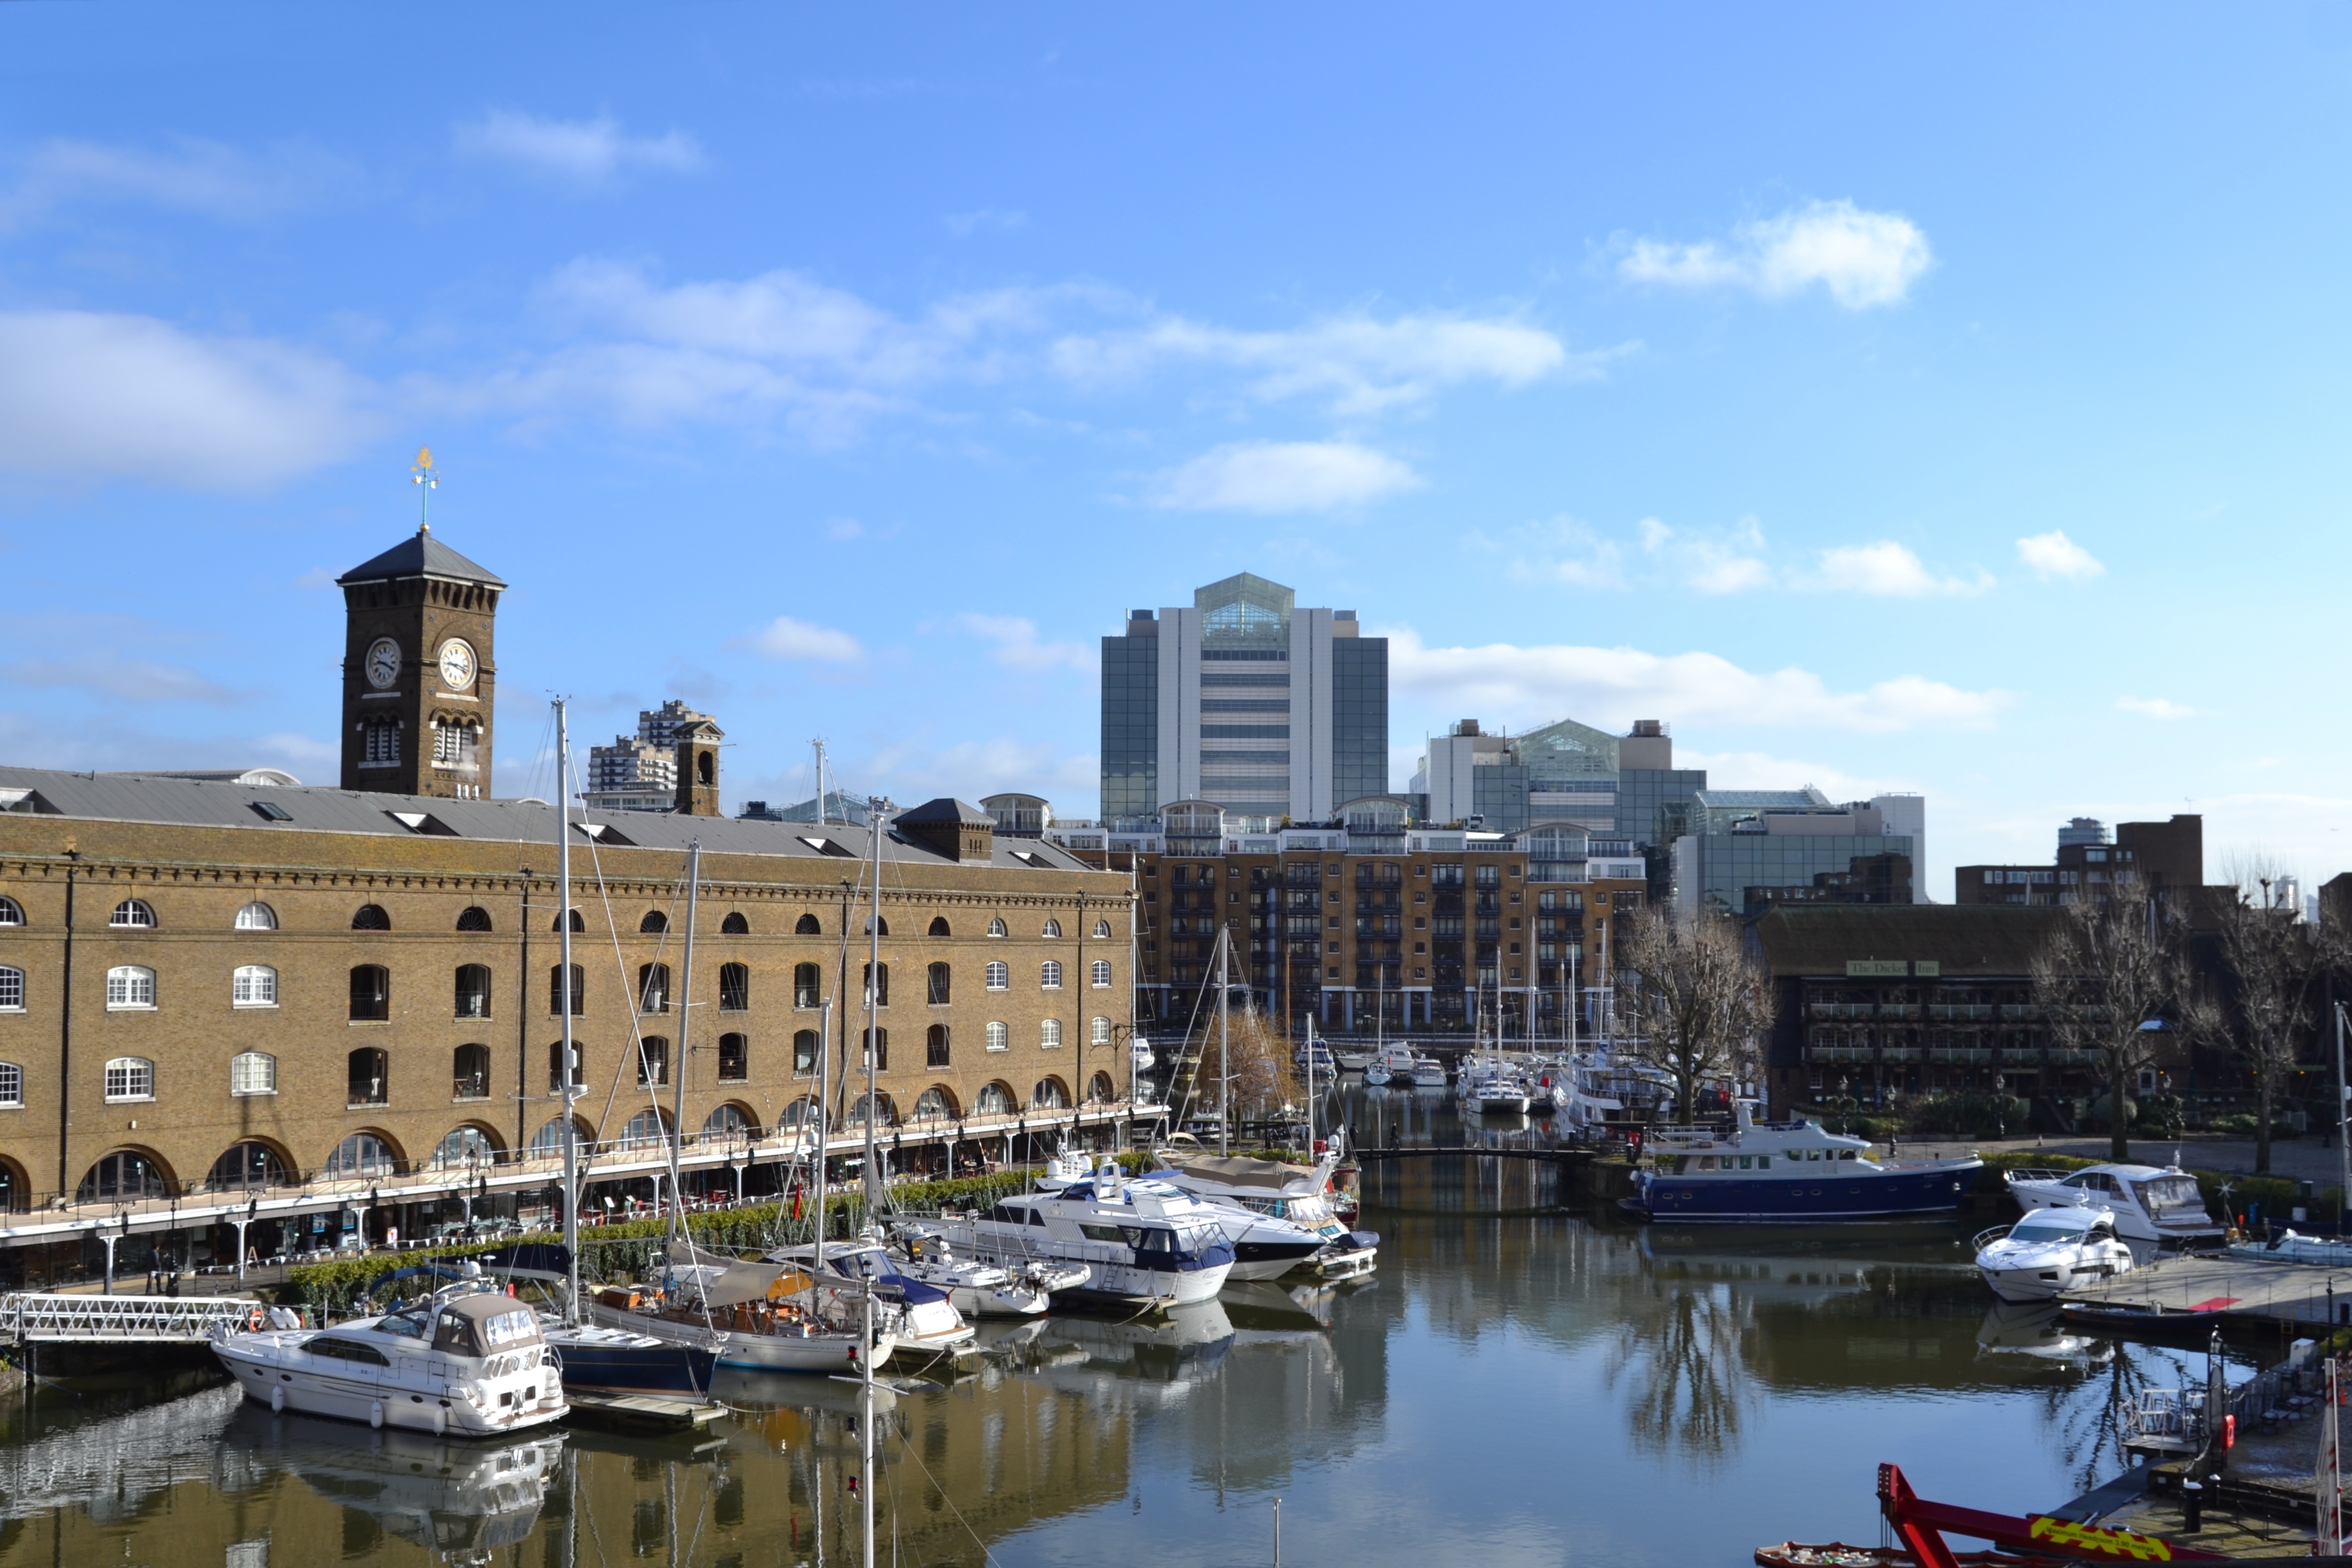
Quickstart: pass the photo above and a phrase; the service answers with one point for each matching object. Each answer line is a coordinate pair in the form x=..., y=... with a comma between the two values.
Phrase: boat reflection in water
x=1183, y=1344
x=446, y=1495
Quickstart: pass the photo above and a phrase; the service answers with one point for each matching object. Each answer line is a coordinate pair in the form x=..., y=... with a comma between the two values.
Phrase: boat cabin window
x=403, y=1324
x=2171, y=1191
x=347, y=1350
x=1845, y=1154
x=1144, y=1238
x=482, y=1325
x=2055, y=1227
x=1102, y=1233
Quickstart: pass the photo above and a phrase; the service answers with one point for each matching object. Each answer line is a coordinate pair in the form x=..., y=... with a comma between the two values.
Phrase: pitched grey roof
x=215, y=803
x=946, y=809
x=420, y=556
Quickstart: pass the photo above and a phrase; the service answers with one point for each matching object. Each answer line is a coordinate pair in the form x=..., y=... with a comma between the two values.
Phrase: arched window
x=547, y=1143
x=11, y=1085
x=256, y=916
x=473, y=917
x=935, y=984
x=807, y=926
x=999, y=975
x=877, y=1043
x=935, y=1046
x=360, y=1157
x=799, y=1113
x=806, y=982
x=877, y=984
x=934, y=1104
x=130, y=1077
x=370, y=994
x=1098, y=1033
x=555, y=1064
x=655, y=923
x=12, y=989
x=578, y=925
x=1101, y=1090
x=999, y=1038
x=473, y=991
x=253, y=985
x=994, y=1101
x=555, y=990
x=887, y=1113
x=874, y=927
x=129, y=985
x=804, y=1048
x=996, y=928
x=368, y=1078
x=125, y=1174
x=1102, y=930
x=464, y=1146
x=1049, y=974
x=370, y=917
x=734, y=924
x=133, y=913
x=653, y=1060
x=469, y=1073
x=734, y=1058
x=1102, y=973
x=1049, y=1095
x=653, y=988
x=647, y=1126
x=1049, y=1035
x=1053, y=930
x=247, y=1167
x=253, y=1072
x=11, y=914
x=939, y=926
x=16, y=1191
x=728, y=1122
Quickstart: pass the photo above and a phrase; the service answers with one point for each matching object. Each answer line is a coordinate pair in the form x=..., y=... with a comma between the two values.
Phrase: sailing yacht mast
x=568, y=1060
x=678, y=1067
x=1224, y=1061
x=874, y=806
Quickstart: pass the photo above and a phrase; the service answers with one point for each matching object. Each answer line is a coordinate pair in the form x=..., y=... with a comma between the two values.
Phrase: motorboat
x=1265, y=1246
x=468, y=1361
x=1492, y=1088
x=1792, y=1171
x=1352, y=1059
x=1139, y=1053
x=2320, y=1251
x=929, y=1322
x=980, y=1289
x=1316, y=1059
x=759, y=1315
x=595, y=1355
x=2051, y=1250
x=1141, y=1242
x=2159, y=1207
x=1402, y=1067
x=1301, y=1194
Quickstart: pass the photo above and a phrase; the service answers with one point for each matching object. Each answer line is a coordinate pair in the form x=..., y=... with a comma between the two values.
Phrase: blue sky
x=1939, y=399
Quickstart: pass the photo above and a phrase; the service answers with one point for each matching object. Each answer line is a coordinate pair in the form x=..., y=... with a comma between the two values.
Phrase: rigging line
x=907, y=1439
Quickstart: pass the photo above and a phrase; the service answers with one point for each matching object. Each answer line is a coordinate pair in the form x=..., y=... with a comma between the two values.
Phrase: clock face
x=456, y=665
x=383, y=663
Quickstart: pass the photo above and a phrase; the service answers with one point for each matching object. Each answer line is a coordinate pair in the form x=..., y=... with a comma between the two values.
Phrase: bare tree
x=2105, y=979
x=1700, y=1005
x=2276, y=965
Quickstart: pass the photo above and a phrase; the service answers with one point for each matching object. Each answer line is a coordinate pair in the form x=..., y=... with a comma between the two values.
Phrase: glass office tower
x=1245, y=699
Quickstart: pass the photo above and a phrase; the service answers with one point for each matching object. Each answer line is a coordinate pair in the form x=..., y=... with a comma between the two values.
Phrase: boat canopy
x=1240, y=1171
x=484, y=1325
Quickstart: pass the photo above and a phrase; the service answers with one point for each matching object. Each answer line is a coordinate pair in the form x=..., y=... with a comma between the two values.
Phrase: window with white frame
x=999, y=977
x=1049, y=1035
x=12, y=1087
x=12, y=990
x=256, y=916
x=130, y=1077
x=1050, y=976
x=1099, y=1032
x=253, y=1072
x=129, y=985
x=254, y=986
x=999, y=1038
x=996, y=928
x=383, y=748
x=1053, y=930
x=1102, y=930
x=132, y=912
x=1102, y=973
x=11, y=914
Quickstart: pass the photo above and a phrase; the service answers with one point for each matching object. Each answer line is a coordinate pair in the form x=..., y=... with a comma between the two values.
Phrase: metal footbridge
x=27, y=1318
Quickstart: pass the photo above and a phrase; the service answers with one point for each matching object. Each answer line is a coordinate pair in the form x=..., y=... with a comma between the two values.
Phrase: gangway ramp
x=30, y=1318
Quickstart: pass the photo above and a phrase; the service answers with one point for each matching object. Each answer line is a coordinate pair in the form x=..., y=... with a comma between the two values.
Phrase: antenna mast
x=426, y=479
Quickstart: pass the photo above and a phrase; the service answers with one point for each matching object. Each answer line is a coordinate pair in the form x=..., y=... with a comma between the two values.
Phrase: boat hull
x=285, y=1383
x=637, y=1367
x=1898, y=1194
x=821, y=1352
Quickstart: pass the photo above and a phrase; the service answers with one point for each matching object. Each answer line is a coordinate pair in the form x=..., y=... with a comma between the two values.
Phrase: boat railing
x=2034, y=1173
x=1986, y=1238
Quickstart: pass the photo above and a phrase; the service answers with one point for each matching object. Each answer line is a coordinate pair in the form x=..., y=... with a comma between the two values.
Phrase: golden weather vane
x=426, y=479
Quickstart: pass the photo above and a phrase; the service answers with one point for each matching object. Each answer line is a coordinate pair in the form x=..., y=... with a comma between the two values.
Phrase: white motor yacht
x=2051, y=1250
x=1494, y=1090
x=2159, y=1207
x=1298, y=1193
x=927, y=1322
x=1353, y=1058
x=980, y=1289
x=468, y=1361
x=1402, y=1067
x=1141, y=1242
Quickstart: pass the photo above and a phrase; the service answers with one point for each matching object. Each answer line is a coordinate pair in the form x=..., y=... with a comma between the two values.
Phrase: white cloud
x=1615, y=686
x=581, y=153
x=1567, y=551
x=192, y=177
x=785, y=638
x=1864, y=258
x=1017, y=647
x=89, y=396
x=1888, y=570
x=2053, y=556
x=1762, y=769
x=1725, y=565
x=133, y=679
x=2154, y=707
x=843, y=528
x=1269, y=477
x=996, y=220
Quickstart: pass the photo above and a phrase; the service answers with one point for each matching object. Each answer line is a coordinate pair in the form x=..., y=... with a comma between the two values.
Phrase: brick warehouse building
x=272, y=1015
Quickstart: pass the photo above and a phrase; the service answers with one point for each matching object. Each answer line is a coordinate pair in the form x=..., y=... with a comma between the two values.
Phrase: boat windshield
x=2171, y=1196
x=2051, y=1227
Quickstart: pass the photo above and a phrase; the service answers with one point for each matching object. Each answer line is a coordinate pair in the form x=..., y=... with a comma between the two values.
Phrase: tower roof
x=420, y=556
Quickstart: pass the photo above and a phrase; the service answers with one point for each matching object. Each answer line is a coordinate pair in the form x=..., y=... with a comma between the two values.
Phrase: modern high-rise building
x=1244, y=700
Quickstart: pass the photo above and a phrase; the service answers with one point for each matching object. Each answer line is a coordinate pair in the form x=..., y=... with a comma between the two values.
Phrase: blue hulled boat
x=1787, y=1171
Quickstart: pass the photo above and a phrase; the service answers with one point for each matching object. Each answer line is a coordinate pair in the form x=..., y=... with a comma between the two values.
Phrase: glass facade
x=1130, y=725
x=1731, y=863
x=1654, y=805
x=1360, y=717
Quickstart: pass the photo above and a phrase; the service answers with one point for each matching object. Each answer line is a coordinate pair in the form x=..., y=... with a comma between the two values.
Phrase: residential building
x=1246, y=701
x=2170, y=856
x=639, y=772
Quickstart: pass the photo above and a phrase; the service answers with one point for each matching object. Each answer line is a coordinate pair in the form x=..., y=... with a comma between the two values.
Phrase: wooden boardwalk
x=2222, y=1285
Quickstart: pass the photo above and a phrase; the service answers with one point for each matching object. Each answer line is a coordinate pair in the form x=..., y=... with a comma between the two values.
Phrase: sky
x=1948, y=399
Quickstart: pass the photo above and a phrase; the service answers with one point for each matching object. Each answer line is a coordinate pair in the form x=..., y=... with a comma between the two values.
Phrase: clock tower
x=419, y=675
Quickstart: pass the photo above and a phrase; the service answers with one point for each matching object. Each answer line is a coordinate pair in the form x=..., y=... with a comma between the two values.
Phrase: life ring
x=254, y=1319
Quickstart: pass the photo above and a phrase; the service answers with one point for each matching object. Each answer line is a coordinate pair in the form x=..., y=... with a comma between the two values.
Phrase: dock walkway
x=2225, y=1285
x=26, y=1318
